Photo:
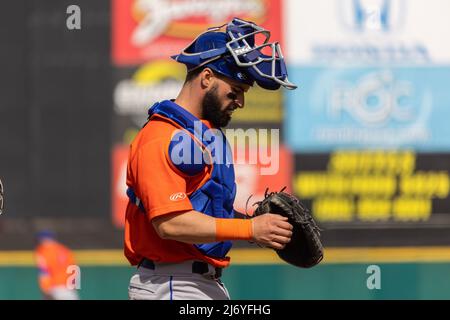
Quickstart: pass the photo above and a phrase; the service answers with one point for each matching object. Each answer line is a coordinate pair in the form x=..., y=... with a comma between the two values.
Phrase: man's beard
x=212, y=112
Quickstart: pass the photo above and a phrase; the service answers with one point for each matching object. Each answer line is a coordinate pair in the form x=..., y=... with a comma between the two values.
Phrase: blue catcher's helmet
x=45, y=234
x=236, y=55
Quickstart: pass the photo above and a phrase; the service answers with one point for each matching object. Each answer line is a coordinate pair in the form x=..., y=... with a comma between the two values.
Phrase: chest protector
x=191, y=149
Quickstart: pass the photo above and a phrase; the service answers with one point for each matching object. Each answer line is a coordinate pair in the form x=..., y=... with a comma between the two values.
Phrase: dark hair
x=193, y=74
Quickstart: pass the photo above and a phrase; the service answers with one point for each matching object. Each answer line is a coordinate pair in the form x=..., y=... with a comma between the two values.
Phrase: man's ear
x=206, y=78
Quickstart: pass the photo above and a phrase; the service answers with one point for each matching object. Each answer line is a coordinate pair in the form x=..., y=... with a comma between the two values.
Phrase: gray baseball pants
x=176, y=281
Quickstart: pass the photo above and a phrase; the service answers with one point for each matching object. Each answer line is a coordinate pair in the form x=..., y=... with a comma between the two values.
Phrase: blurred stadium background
x=365, y=138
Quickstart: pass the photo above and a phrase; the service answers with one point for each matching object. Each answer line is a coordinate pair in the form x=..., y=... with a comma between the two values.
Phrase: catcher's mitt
x=305, y=248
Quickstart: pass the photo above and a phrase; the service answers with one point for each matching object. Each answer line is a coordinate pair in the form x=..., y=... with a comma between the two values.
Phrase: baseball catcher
x=180, y=221
x=305, y=249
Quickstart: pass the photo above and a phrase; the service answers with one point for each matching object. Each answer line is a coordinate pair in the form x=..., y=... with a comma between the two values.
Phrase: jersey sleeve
x=160, y=186
x=44, y=276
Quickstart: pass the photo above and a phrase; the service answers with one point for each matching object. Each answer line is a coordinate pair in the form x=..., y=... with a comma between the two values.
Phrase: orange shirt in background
x=52, y=260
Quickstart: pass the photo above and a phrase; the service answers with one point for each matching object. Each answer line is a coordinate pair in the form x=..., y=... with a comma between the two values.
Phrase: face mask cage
x=248, y=53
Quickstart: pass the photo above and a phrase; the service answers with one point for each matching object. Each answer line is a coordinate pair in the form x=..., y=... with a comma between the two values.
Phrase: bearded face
x=214, y=110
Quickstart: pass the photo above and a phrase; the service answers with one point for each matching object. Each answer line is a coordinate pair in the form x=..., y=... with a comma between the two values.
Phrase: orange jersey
x=163, y=189
x=52, y=260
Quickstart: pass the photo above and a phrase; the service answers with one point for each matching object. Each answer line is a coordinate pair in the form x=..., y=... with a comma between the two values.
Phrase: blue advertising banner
x=371, y=107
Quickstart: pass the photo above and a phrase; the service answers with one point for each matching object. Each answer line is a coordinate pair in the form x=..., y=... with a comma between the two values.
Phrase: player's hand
x=272, y=230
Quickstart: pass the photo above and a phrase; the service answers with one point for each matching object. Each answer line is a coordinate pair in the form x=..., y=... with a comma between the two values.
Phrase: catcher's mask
x=238, y=54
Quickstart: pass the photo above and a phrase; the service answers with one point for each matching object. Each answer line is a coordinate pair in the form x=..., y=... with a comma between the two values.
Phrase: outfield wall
x=259, y=274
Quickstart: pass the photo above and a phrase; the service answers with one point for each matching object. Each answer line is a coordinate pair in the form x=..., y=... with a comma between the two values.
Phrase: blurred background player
x=53, y=260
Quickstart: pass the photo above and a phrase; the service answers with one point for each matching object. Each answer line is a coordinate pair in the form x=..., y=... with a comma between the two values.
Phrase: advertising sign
x=352, y=32
x=369, y=107
x=144, y=30
x=374, y=186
